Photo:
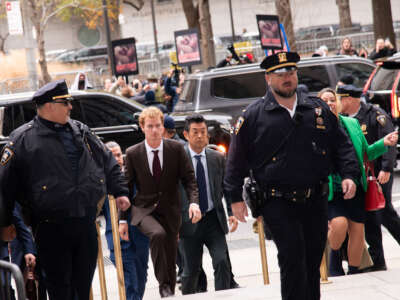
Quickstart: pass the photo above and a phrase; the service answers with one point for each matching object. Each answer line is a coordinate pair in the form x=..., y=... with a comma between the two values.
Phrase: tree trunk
x=344, y=14
x=191, y=13
x=3, y=42
x=207, y=37
x=46, y=78
x=115, y=27
x=383, y=21
x=285, y=17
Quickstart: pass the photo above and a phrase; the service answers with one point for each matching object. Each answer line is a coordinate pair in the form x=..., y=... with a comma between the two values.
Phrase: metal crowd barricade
x=8, y=271
x=117, y=253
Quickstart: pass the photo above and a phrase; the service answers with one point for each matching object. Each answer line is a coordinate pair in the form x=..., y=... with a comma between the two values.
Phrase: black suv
x=383, y=86
x=229, y=90
x=111, y=117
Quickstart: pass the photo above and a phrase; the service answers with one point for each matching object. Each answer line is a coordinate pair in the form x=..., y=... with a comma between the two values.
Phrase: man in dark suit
x=157, y=166
x=211, y=230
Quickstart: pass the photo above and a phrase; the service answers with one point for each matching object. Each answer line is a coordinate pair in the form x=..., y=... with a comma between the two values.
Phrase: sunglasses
x=64, y=102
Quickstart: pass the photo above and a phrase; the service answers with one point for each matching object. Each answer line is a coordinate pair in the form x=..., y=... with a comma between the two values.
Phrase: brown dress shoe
x=165, y=291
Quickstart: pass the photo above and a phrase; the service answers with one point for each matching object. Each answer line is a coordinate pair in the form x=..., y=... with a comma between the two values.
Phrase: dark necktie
x=156, y=167
x=201, y=183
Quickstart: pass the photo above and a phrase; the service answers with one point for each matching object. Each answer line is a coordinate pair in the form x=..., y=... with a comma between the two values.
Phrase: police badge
x=319, y=120
x=381, y=120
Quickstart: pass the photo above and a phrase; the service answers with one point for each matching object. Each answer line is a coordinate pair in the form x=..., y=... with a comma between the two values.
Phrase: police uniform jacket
x=375, y=124
x=311, y=145
x=35, y=171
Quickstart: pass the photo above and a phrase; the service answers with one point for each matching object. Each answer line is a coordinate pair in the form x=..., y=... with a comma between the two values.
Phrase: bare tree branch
x=136, y=4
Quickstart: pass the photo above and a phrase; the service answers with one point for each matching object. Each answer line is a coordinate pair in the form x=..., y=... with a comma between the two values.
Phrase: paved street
x=245, y=256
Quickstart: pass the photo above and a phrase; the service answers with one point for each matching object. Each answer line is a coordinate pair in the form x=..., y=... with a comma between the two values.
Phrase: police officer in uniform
x=59, y=171
x=375, y=124
x=291, y=142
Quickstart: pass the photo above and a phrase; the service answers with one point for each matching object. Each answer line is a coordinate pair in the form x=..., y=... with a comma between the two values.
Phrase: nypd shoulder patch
x=239, y=124
x=6, y=156
x=381, y=120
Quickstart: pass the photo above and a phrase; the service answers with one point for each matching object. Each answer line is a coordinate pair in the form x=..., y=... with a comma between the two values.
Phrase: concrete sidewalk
x=246, y=262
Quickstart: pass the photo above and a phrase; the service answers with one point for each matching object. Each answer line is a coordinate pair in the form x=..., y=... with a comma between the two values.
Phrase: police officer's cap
x=51, y=92
x=348, y=90
x=280, y=62
x=169, y=122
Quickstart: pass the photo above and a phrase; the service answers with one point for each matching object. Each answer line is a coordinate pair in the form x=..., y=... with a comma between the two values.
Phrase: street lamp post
x=108, y=36
x=232, y=25
x=153, y=17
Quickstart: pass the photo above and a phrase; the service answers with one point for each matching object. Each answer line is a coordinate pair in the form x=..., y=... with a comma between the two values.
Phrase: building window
x=88, y=37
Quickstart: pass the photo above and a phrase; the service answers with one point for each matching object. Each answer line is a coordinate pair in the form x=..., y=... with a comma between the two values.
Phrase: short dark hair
x=195, y=118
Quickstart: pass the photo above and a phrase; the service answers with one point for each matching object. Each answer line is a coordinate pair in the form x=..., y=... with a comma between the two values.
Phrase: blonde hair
x=338, y=103
x=151, y=112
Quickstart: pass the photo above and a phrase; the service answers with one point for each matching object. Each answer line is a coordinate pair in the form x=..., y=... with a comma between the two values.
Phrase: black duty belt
x=293, y=195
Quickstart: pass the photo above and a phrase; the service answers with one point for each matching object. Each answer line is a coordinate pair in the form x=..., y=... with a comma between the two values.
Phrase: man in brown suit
x=156, y=166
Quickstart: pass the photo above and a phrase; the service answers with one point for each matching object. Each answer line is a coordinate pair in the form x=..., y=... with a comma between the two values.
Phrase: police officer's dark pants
x=68, y=253
x=387, y=217
x=300, y=232
x=209, y=233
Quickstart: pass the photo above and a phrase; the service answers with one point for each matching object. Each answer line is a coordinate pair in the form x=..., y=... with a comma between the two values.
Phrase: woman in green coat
x=348, y=216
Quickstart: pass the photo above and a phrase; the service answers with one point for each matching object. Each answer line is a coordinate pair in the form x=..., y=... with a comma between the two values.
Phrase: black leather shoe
x=165, y=291
x=374, y=268
x=235, y=285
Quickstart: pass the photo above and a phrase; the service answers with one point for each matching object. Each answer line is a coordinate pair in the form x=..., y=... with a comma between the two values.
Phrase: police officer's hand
x=239, y=210
x=30, y=260
x=349, y=188
x=123, y=231
x=383, y=177
x=194, y=213
x=7, y=234
x=233, y=223
x=123, y=203
x=391, y=139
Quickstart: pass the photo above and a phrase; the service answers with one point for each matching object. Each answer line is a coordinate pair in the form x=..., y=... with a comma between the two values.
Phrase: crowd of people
x=162, y=92
x=383, y=48
x=309, y=157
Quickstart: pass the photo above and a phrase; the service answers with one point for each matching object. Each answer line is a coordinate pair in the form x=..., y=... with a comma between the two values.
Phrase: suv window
x=188, y=91
x=98, y=51
x=360, y=72
x=383, y=79
x=13, y=118
x=314, y=77
x=102, y=112
x=29, y=109
x=242, y=86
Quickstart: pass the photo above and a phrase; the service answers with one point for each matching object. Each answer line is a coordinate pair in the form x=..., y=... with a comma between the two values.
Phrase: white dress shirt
x=204, y=162
x=150, y=155
x=291, y=111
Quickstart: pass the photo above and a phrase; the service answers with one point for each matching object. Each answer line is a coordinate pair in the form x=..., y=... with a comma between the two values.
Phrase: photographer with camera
x=289, y=142
x=231, y=54
x=172, y=88
x=226, y=61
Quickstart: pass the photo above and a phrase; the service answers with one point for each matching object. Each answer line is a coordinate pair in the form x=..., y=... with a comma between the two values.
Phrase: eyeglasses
x=64, y=102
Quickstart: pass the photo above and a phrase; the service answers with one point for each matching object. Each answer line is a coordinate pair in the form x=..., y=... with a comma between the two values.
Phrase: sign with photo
x=269, y=30
x=124, y=57
x=187, y=47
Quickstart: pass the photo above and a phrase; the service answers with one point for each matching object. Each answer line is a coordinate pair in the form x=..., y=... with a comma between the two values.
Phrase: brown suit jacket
x=161, y=200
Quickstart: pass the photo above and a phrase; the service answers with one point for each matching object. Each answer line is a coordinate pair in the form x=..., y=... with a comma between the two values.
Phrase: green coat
x=361, y=146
